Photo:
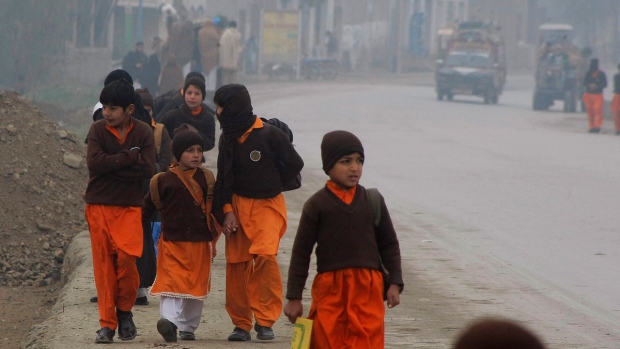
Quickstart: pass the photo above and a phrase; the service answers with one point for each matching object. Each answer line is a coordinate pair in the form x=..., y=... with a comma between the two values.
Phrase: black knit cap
x=200, y=83
x=118, y=74
x=336, y=144
x=184, y=137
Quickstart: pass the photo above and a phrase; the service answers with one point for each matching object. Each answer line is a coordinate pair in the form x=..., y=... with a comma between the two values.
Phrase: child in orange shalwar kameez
x=347, y=292
x=185, y=248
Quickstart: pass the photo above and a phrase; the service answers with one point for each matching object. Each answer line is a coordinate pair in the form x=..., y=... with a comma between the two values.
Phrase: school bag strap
x=159, y=129
x=154, y=190
x=154, y=187
x=374, y=198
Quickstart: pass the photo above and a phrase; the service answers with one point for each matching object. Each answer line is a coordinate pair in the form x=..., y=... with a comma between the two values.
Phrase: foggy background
x=77, y=42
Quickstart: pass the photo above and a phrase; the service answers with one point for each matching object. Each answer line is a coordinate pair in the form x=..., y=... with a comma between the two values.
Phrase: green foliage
x=32, y=38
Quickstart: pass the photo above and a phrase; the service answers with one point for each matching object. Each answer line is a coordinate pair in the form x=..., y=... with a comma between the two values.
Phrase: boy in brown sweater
x=347, y=293
x=120, y=156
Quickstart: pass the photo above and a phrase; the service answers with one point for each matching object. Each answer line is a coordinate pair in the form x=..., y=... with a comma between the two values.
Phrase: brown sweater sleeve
x=305, y=240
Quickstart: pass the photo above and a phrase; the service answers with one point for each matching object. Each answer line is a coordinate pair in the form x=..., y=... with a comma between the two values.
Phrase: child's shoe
x=104, y=336
x=126, y=328
x=187, y=336
x=167, y=329
x=239, y=335
x=264, y=333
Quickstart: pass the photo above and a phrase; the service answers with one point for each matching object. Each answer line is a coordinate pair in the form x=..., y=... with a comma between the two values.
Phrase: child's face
x=115, y=116
x=193, y=97
x=347, y=171
x=191, y=157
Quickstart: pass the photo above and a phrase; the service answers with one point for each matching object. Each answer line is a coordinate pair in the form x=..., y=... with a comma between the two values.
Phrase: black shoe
x=141, y=301
x=187, y=336
x=93, y=299
x=264, y=333
x=617, y=133
x=167, y=329
x=239, y=335
x=104, y=336
x=594, y=130
x=126, y=328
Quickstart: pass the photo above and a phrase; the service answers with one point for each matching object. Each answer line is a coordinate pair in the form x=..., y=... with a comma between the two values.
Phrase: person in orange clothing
x=120, y=156
x=248, y=196
x=348, y=289
x=185, y=247
x=615, y=102
x=595, y=81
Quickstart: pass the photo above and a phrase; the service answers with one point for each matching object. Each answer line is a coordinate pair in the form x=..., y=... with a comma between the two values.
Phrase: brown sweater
x=116, y=173
x=345, y=238
x=181, y=218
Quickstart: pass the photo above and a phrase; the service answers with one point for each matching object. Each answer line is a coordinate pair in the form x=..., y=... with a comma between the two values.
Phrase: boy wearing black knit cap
x=347, y=292
x=192, y=112
x=187, y=240
x=249, y=195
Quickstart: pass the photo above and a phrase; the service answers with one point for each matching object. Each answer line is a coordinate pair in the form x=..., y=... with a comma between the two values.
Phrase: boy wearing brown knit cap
x=187, y=240
x=347, y=292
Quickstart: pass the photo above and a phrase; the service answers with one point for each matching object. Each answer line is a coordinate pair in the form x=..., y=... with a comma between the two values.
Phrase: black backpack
x=282, y=126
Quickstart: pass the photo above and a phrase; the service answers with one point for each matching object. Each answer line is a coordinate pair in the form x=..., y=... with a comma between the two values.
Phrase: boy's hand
x=229, y=225
x=134, y=153
x=393, y=296
x=293, y=309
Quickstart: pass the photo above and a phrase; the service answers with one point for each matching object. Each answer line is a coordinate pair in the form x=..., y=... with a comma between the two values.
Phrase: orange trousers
x=615, y=111
x=594, y=109
x=116, y=273
x=348, y=310
x=254, y=289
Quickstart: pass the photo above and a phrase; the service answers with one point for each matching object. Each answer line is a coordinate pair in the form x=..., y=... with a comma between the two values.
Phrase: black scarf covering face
x=237, y=116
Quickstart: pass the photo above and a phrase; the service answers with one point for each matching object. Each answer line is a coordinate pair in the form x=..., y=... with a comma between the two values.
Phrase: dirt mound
x=42, y=176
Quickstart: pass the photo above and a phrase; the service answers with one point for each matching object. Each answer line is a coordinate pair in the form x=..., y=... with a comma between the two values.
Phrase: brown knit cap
x=336, y=144
x=145, y=97
x=184, y=137
x=496, y=333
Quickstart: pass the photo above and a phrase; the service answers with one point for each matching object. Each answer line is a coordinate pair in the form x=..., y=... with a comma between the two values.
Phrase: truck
x=560, y=68
x=470, y=61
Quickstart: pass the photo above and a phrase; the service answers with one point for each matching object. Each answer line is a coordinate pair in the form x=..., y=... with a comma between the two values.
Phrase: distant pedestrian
x=594, y=82
x=497, y=334
x=331, y=44
x=208, y=46
x=348, y=289
x=152, y=69
x=249, y=196
x=120, y=156
x=185, y=247
x=231, y=47
x=135, y=62
x=171, y=75
x=615, y=102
